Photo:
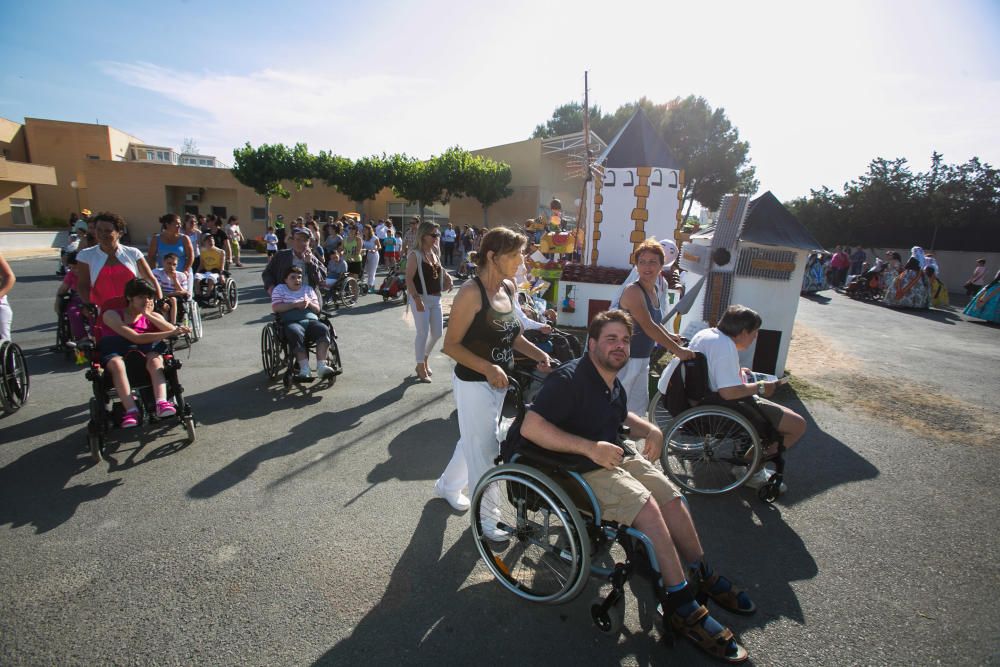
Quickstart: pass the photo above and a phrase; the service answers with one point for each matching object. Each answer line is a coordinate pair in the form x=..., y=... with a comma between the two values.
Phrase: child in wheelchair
x=298, y=307
x=69, y=306
x=136, y=330
x=213, y=265
x=173, y=284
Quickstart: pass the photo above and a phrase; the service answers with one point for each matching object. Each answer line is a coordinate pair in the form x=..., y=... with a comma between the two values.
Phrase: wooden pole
x=581, y=210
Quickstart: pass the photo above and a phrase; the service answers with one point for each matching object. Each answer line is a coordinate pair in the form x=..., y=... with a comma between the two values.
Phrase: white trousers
x=6, y=315
x=479, y=407
x=371, y=266
x=635, y=378
x=430, y=324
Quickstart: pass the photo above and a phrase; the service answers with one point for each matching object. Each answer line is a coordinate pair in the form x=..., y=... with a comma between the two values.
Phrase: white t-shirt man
x=722, y=356
x=380, y=231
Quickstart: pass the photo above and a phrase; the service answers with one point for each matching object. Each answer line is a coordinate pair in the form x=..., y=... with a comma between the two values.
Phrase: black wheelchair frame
x=342, y=294
x=277, y=356
x=106, y=409
x=223, y=294
x=15, y=381
x=706, y=437
x=556, y=538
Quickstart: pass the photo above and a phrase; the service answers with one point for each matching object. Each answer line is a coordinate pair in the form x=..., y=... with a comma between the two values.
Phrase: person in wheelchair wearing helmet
x=136, y=328
x=721, y=345
x=299, y=306
x=580, y=410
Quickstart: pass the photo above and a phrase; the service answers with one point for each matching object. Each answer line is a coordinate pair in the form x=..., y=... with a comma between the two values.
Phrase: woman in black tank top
x=483, y=332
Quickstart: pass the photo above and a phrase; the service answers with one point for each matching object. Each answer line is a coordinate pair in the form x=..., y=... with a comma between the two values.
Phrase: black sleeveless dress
x=490, y=336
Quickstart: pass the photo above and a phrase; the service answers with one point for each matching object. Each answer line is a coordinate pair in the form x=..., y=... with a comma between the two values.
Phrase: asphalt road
x=301, y=528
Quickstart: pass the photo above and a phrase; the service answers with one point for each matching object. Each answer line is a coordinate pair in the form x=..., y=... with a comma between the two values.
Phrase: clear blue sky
x=818, y=89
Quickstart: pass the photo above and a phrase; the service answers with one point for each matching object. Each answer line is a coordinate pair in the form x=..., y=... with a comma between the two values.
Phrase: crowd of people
x=915, y=283
x=129, y=301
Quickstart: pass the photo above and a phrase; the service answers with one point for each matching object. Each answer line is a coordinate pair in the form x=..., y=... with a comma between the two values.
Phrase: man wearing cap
x=313, y=271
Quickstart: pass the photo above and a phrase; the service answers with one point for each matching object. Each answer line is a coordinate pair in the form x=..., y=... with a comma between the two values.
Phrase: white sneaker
x=760, y=478
x=458, y=501
x=489, y=520
x=323, y=371
x=304, y=374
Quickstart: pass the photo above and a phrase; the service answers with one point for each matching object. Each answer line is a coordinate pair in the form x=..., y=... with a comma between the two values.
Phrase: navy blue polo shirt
x=576, y=399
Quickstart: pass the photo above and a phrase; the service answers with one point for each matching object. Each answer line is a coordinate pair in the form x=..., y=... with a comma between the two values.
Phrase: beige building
x=98, y=167
x=18, y=177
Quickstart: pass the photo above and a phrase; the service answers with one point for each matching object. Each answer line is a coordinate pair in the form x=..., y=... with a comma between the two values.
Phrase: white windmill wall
x=620, y=199
x=777, y=302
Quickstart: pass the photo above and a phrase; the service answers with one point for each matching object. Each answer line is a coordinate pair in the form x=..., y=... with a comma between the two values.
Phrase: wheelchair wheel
x=705, y=445
x=543, y=558
x=15, y=383
x=271, y=351
x=193, y=317
x=349, y=292
x=333, y=359
x=231, y=296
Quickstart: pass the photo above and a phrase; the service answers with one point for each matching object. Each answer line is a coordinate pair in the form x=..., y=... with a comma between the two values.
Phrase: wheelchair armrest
x=532, y=453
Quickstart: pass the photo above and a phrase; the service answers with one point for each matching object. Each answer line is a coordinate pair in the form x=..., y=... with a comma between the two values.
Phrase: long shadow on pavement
x=445, y=609
x=35, y=489
x=230, y=405
x=417, y=453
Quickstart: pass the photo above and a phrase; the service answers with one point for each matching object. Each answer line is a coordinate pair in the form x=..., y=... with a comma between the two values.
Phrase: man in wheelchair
x=298, y=307
x=580, y=410
x=721, y=345
x=136, y=329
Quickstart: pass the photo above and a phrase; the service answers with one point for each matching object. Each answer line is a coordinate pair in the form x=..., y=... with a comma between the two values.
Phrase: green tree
x=709, y=149
x=437, y=179
x=568, y=119
x=488, y=182
x=265, y=167
x=363, y=178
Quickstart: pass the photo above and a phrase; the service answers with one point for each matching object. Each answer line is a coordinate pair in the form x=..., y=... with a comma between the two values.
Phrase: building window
x=20, y=212
x=191, y=208
x=205, y=163
x=150, y=155
x=258, y=213
x=163, y=156
x=219, y=211
x=323, y=216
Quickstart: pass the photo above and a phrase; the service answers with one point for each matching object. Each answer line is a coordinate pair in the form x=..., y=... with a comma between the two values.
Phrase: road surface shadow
x=421, y=452
x=36, y=489
x=816, y=297
x=235, y=404
x=445, y=608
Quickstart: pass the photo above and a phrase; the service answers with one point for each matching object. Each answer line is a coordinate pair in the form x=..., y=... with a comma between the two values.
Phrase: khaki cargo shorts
x=623, y=491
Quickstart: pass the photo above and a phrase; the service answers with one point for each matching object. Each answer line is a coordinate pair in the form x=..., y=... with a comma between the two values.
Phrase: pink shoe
x=131, y=419
x=165, y=409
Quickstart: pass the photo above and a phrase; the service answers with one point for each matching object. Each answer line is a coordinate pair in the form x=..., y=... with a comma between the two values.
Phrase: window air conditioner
x=192, y=196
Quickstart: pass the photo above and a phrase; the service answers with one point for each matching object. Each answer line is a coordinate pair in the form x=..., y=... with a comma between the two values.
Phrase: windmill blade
x=685, y=303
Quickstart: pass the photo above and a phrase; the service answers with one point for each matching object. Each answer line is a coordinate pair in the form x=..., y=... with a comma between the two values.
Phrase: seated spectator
x=299, y=306
x=136, y=329
x=939, y=293
x=580, y=410
x=721, y=345
x=986, y=304
x=173, y=283
x=908, y=289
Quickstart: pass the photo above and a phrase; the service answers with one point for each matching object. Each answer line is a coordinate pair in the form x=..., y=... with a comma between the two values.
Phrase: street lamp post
x=76, y=189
